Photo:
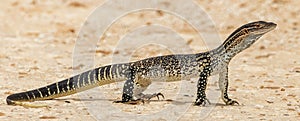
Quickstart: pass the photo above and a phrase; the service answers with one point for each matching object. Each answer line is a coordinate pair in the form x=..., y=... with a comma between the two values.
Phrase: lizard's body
x=139, y=74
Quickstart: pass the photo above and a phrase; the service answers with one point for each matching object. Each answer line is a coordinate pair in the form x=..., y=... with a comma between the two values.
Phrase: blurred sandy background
x=37, y=39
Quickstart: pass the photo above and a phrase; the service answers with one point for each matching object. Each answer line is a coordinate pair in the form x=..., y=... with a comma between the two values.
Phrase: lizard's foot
x=231, y=102
x=200, y=102
x=140, y=99
x=149, y=96
x=127, y=99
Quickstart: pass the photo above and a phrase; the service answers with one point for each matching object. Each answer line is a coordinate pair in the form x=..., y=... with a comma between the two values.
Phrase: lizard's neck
x=234, y=44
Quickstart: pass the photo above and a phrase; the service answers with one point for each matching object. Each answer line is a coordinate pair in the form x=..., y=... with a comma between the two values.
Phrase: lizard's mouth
x=270, y=26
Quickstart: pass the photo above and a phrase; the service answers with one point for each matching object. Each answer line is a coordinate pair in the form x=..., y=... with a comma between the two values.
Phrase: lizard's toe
x=232, y=102
x=159, y=94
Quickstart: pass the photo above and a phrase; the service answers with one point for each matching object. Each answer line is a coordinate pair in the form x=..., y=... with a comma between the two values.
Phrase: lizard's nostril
x=272, y=24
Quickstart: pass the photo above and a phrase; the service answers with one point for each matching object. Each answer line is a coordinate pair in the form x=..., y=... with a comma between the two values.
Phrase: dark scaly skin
x=139, y=75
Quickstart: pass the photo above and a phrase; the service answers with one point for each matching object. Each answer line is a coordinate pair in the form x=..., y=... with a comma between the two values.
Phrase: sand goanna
x=138, y=75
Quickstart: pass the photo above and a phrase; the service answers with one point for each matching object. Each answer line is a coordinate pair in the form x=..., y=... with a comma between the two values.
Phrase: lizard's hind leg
x=127, y=91
x=133, y=91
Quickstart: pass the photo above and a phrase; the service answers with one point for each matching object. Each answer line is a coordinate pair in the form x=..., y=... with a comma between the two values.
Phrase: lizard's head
x=245, y=36
x=248, y=34
x=258, y=27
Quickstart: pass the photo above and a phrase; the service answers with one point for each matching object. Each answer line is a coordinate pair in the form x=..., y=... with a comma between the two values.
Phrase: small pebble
x=262, y=114
x=259, y=106
x=289, y=86
x=270, y=100
x=47, y=117
x=291, y=109
x=291, y=95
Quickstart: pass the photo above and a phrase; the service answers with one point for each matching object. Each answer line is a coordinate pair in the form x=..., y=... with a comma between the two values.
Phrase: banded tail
x=84, y=81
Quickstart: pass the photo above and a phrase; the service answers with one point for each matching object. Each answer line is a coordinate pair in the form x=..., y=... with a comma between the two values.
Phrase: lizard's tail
x=84, y=81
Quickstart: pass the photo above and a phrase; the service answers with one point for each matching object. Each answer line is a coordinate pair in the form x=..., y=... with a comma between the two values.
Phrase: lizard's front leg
x=223, y=85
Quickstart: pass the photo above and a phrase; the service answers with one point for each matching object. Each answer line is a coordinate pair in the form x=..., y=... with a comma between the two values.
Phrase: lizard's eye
x=257, y=25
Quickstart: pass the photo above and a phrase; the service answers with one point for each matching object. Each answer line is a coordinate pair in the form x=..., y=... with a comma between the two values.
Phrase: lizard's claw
x=202, y=103
x=150, y=96
x=232, y=102
x=159, y=94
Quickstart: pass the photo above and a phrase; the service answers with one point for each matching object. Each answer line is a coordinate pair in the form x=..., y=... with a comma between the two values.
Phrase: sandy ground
x=38, y=40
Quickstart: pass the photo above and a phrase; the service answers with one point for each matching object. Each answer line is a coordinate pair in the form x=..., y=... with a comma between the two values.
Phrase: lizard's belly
x=170, y=77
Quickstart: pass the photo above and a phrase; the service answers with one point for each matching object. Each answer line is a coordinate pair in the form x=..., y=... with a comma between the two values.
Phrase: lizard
x=138, y=75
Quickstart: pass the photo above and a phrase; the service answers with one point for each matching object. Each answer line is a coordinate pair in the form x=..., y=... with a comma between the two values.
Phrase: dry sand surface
x=38, y=38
